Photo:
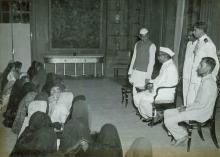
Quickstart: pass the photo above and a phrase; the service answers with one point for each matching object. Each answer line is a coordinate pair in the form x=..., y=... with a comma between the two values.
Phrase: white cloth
x=7, y=89
x=34, y=106
x=137, y=77
x=191, y=81
x=61, y=110
x=6, y=93
x=143, y=31
x=167, y=77
x=11, y=76
x=200, y=110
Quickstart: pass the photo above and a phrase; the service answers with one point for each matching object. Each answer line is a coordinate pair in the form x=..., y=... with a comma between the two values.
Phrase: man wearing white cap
x=167, y=77
x=142, y=62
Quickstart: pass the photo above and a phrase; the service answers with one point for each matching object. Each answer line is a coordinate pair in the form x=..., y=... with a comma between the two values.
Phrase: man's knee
x=136, y=100
x=145, y=107
x=166, y=114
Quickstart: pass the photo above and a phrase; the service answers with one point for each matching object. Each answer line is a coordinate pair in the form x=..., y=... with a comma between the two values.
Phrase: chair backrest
x=175, y=94
x=176, y=90
x=123, y=57
x=215, y=106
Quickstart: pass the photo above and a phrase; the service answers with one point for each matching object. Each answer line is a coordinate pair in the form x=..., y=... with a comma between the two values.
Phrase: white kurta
x=167, y=77
x=206, y=48
x=137, y=78
x=188, y=63
x=200, y=110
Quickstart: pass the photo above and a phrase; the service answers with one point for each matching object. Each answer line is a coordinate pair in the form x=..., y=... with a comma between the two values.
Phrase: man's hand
x=129, y=79
x=85, y=144
x=182, y=108
x=147, y=81
x=149, y=86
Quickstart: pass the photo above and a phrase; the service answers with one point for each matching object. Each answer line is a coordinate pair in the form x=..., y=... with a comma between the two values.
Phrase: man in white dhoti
x=202, y=107
x=142, y=62
x=167, y=77
x=202, y=47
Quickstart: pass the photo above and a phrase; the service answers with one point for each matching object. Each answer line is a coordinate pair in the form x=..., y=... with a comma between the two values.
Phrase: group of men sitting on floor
x=49, y=121
x=200, y=69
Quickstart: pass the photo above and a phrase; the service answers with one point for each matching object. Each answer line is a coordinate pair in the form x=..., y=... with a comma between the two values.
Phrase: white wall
x=22, y=45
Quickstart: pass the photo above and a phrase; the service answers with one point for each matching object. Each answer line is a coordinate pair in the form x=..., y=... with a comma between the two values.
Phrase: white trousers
x=171, y=119
x=143, y=102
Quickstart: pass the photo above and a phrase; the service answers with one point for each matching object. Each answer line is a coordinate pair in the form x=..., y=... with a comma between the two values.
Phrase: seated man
x=202, y=107
x=167, y=77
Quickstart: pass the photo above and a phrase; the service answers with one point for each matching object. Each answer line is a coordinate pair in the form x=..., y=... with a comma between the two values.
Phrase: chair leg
x=189, y=139
x=126, y=99
x=122, y=95
x=200, y=133
x=172, y=138
x=213, y=135
x=153, y=116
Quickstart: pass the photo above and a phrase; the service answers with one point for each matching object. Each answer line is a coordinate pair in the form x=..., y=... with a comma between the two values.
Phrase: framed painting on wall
x=76, y=24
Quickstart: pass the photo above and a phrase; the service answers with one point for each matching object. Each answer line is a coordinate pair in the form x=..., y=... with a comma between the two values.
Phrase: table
x=70, y=59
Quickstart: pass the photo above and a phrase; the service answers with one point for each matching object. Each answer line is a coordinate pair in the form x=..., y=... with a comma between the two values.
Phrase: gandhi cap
x=167, y=50
x=143, y=31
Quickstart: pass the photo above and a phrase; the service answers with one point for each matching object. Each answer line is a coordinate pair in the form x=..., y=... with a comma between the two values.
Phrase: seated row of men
x=200, y=110
x=52, y=122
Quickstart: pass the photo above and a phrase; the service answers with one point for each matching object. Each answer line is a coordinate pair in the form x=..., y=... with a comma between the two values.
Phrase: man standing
x=202, y=107
x=188, y=61
x=167, y=77
x=142, y=62
x=202, y=47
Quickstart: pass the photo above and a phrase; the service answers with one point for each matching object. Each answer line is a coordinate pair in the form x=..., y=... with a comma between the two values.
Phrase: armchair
x=161, y=105
x=210, y=123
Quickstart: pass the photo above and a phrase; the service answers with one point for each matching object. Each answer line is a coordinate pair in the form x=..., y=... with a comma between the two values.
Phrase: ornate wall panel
x=75, y=24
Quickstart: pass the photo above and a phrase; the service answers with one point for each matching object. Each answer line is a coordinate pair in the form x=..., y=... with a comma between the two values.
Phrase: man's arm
x=206, y=93
x=151, y=63
x=132, y=61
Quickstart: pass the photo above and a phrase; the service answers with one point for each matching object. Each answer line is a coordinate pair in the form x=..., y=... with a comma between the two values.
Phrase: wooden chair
x=161, y=105
x=121, y=61
x=125, y=91
x=191, y=125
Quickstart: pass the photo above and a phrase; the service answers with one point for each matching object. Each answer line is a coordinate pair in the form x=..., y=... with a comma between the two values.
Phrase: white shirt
x=202, y=108
x=167, y=77
x=205, y=49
